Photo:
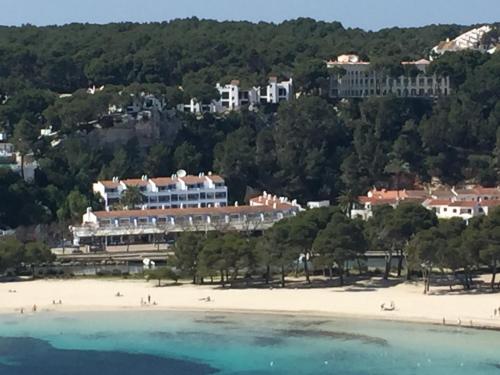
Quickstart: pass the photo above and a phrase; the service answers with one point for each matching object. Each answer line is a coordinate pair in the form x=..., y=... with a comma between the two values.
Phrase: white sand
x=360, y=300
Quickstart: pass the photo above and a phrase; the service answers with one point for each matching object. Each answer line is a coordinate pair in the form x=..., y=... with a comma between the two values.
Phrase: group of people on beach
x=147, y=301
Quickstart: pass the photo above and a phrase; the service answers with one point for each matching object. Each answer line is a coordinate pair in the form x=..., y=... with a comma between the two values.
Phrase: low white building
x=317, y=204
x=176, y=191
x=118, y=227
x=353, y=78
x=463, y=209
x=233, y=97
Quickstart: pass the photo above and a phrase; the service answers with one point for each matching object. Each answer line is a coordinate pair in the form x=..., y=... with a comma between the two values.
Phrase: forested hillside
x=311, y=148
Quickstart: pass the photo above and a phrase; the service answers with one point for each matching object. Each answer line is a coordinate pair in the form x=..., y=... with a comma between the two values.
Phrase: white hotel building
x=353, y=78
x=471, y=40
x=233, y=97
x=177, y=191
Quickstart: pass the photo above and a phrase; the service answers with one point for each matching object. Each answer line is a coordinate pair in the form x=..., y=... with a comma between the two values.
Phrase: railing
x=89, y=230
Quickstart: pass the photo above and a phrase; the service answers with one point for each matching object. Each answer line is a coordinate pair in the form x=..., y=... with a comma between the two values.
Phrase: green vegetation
x=162, y=273
x=332, y=244
x=14, y=254
x=452, y=245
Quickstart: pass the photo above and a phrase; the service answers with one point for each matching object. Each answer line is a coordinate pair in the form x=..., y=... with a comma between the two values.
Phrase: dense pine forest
x=310, y=148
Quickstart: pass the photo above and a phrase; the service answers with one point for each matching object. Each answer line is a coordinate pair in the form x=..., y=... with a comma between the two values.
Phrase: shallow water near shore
x=154, y=342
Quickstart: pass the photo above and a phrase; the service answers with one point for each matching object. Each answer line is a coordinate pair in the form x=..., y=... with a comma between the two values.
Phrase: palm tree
x=131, y=197
x=346, y=200
x=397, y=168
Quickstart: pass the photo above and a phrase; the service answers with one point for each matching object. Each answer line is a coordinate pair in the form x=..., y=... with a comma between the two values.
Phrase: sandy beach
x=362, y=300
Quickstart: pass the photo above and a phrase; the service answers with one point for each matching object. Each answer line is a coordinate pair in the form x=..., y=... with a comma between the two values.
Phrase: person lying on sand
x=391, y=307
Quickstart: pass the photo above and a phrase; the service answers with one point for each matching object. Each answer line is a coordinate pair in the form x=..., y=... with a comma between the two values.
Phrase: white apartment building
x=12, y=160
x=471, y=40
x=177, y=191
x=233, y=97
x=353, y=78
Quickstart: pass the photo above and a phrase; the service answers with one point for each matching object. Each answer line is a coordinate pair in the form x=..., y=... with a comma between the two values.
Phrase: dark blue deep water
x=154, y=343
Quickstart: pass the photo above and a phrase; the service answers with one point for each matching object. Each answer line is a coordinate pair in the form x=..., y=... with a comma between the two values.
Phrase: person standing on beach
x=149, y=298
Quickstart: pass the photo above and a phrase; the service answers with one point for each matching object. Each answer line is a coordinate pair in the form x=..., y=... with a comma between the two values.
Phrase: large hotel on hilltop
x=353, y=78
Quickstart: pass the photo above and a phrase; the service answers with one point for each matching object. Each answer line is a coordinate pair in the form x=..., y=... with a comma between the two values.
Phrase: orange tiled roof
x=163, y=181
x=109, y=184
x=135, y=182
x=438, y=202
x=215, y=178
x=189, y=179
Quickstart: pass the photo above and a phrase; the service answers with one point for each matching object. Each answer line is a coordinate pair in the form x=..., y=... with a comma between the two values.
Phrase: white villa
x=177, y=191
x=233, y=97
x=353, y=78
x=447, y=203
x=471, y=40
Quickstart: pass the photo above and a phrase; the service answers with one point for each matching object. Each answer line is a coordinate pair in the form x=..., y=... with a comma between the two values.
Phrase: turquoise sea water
x=154, y=343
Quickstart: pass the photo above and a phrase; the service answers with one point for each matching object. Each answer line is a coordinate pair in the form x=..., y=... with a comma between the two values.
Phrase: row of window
x=143, y=189
x=397, y=92
x=186, y=197
x=394, y=82
x=187, y=219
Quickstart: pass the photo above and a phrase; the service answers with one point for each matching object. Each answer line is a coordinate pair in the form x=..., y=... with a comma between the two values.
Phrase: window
x=225, y=95
x=174, y=198
x=203, y=195
x=193, y=197
x=220, y=195
x=164, y=198
x=182, y=197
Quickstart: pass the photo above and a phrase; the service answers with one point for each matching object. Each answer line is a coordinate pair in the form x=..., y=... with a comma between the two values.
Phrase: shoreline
x=287, y=313
x=81, y=296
